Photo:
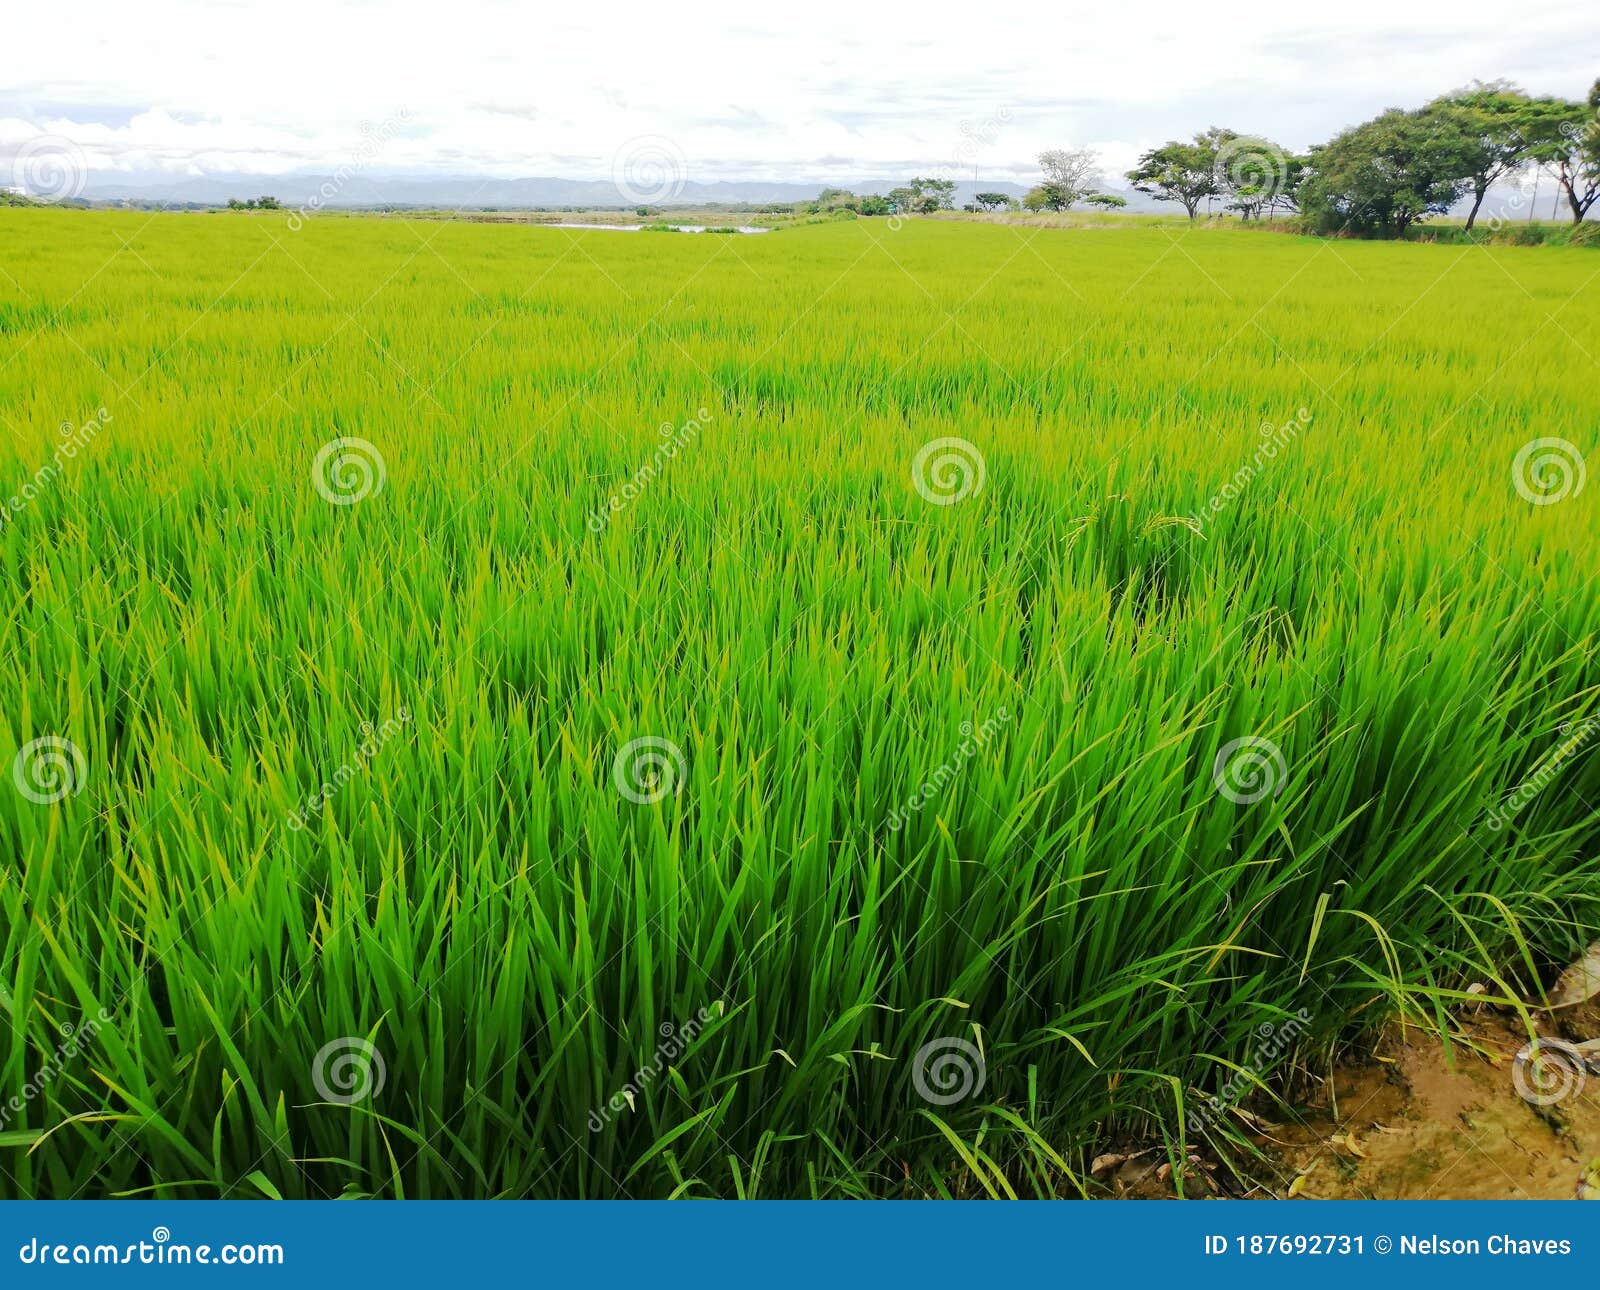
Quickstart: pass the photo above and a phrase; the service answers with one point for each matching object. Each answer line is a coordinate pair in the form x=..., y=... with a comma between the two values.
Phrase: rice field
x=500, y=711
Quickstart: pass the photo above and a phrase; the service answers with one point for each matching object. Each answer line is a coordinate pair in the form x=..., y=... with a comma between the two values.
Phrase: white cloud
x=831, y=90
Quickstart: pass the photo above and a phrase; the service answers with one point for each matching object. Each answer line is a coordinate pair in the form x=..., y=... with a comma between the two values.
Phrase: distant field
x=1229, y=684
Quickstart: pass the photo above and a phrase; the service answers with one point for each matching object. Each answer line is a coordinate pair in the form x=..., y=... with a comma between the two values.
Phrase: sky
x=822, y=91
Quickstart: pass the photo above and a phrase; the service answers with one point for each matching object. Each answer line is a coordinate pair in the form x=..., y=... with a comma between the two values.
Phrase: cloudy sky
x=823, y=91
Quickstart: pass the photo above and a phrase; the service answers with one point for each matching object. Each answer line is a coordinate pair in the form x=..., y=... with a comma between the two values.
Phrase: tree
x=1572, y=152
x=924, y=196
x=1073, y=173
x=1501, y=128
x=1036, y=199
x=1387, y=174
x=1254, y=174
x=934, y=195
x=874, y=205
x=1106, y=201
x=1050, y=197
x=995, y=201
x=1178, y=172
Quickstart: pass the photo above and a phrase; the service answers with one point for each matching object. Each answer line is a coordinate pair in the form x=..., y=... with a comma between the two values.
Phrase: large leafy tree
x=1572, y=153
x=924, y=196
x=1501, y=131
x=1256, y=175
x=1388, y=173
x=1179, y=172
x=934, y=194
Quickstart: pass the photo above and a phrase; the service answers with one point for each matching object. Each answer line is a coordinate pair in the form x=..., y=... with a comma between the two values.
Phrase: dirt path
x=1423, y=1123
x=1418, y=1122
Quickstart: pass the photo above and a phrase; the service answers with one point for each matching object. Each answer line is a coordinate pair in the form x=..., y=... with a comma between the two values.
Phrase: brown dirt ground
x=1417, y=1121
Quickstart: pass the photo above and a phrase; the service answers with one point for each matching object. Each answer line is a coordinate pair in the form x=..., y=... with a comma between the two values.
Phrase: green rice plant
x=849, y=712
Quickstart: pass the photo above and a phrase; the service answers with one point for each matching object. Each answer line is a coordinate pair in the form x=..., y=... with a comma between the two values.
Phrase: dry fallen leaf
x=1106, y=1163
x=1580, y=982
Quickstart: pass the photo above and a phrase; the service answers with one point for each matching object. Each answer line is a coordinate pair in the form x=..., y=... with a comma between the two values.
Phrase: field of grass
x=382, y=543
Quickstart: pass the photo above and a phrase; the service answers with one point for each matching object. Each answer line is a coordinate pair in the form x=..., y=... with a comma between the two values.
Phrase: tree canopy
x=1387, y=174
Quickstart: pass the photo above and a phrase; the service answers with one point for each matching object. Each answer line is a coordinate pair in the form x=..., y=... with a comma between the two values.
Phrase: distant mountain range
x=465, y=191
x=468, y=192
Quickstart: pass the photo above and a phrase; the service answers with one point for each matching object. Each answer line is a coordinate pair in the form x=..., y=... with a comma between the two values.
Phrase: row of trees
x=1382, y=176
x=1070, y=177
x=1391, y=172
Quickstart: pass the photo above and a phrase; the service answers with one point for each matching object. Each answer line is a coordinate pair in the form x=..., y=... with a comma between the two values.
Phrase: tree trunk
x=1478, y=195
x=1568, y=187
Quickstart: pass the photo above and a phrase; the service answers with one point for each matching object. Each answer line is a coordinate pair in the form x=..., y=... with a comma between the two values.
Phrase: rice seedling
x=502, y=711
